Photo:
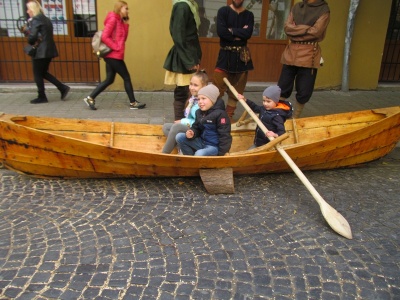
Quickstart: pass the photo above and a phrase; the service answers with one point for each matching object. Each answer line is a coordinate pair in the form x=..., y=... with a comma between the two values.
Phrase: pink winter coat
x=115, y=33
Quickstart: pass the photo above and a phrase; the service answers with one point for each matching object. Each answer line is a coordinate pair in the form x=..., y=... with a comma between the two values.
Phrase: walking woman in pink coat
x=115, y=33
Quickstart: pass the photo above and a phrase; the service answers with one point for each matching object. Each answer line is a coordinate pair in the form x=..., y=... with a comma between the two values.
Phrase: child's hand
x=241, y=97
x=189, y=134
x=271, y=134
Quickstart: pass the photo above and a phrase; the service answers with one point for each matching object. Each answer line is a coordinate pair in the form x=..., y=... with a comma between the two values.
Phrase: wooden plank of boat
x=337, y=222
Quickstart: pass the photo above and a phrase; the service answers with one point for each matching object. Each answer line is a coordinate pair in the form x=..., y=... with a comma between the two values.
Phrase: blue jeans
x=195, y=147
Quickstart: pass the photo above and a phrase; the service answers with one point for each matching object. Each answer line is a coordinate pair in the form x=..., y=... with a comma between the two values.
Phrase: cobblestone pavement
x=168, y=239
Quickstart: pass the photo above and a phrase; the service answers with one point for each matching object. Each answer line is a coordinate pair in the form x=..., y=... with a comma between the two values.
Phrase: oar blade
x=337, y=222
x=334, y=219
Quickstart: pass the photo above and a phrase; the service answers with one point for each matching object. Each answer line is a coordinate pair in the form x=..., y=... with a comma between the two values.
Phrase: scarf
x=308, y=13
x=193, y=7
x=192, y=101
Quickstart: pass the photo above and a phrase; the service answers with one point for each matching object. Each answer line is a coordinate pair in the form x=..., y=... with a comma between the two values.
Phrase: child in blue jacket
x=210, y=134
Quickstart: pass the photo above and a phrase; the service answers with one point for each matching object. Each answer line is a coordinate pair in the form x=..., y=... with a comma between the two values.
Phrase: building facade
x=149, y=41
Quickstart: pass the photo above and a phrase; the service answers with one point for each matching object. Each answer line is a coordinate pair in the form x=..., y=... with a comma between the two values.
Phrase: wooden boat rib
x=72, y=148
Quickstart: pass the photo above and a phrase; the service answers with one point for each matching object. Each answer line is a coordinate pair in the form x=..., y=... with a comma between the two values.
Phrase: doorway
x=390, y=66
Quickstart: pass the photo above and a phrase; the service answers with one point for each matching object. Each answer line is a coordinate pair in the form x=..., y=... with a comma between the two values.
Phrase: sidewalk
x=113, y=106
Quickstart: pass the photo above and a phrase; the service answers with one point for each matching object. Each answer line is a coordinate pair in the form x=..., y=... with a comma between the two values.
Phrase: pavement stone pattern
x=167, y=238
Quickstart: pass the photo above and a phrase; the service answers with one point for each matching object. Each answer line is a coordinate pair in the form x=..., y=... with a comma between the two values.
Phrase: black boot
x=181, y=94
x=64, y=91
x=178, y=110
x=40, y=99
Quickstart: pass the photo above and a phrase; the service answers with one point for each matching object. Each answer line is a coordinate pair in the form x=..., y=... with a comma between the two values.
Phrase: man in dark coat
x=184, y=57
x=234, y=26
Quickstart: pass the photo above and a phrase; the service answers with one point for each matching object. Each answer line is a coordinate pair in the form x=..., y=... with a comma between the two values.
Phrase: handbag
x=244, y=54
x=30, y=50
x=99, y=48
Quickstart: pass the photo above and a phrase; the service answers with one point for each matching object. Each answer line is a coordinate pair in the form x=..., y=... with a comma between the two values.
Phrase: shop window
x=85, y=20
x=13, y=15
x=278, y=11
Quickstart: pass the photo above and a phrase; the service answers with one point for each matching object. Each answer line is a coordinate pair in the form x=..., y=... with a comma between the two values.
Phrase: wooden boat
x=74, y=148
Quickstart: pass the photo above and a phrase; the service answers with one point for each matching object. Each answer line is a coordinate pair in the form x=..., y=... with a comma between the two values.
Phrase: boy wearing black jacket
x=273, y=114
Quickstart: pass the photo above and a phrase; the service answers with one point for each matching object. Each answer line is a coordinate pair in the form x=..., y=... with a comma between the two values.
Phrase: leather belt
x=304, y=43
x=232, y=48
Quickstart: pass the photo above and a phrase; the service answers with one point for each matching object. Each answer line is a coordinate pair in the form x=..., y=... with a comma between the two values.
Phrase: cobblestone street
x=169, y=239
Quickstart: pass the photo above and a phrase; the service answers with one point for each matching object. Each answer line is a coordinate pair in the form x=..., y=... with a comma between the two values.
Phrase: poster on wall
x=55, y=10
x=84, y=7
x=10, y=12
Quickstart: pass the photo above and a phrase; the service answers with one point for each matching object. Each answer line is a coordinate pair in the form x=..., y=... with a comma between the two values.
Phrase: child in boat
x=210, y=134
x=198, y=80
x=273, y=114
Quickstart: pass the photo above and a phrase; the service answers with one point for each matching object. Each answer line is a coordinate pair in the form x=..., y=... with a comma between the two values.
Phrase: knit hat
x=210, y=91
x=273, y=92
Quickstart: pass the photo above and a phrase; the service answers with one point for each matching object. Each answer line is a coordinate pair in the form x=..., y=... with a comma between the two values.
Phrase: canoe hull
x=42, y=153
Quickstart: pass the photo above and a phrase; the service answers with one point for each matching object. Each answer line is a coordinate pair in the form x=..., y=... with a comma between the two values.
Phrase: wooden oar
x=337, y=222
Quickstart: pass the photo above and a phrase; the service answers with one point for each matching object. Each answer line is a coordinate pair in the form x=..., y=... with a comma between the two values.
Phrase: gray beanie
x=210, y=91
x=273, y=92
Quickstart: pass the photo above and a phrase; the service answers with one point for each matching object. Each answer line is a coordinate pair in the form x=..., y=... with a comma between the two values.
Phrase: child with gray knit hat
x=273, y=114
x=210, y=134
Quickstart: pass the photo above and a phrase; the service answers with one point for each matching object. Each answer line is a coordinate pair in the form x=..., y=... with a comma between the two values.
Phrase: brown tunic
x=303, y=49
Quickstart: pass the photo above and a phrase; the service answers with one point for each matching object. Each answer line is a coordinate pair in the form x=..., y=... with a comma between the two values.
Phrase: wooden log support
x=218, y=181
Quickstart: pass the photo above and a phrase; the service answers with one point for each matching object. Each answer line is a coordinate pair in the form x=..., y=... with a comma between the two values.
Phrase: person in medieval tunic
x=234, y=27
x=306, y=26
x=184, y=57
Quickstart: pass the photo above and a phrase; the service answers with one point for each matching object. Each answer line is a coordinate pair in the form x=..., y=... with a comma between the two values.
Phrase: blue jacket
x=214, y=127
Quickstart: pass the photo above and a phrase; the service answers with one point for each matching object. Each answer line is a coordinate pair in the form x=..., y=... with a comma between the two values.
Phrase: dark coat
x=186, y=51
x=40, y=27
x=229, y=61
x=273, y=119
x=214, y=127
